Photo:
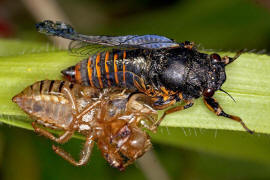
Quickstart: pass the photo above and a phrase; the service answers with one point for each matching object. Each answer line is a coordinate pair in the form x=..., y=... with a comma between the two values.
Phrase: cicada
x=159, y=67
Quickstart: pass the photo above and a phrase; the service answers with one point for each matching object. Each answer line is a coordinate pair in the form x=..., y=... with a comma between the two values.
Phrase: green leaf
x=196, y=128
x=17, y=47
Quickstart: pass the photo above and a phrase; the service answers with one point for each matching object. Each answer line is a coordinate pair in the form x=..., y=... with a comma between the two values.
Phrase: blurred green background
x=227, y=25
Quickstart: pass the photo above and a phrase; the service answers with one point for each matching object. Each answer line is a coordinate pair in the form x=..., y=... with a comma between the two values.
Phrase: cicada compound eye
x=209, y=92
x=215, y=57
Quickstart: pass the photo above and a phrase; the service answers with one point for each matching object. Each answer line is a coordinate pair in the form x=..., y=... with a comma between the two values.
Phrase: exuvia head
x=125, y=143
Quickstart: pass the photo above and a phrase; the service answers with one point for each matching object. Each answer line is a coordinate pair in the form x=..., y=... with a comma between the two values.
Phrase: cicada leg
x=213, y=105
x=173, y=110
x=87, y=109
x=146, y=118
x=72, y=100
x=85, y=153
x=141, y=106
x=164, y=106
x=61, y=139
x=78, y=115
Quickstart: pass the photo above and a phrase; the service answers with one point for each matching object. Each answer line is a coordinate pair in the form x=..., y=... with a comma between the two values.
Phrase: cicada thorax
x=49, y=102
x=117, y=68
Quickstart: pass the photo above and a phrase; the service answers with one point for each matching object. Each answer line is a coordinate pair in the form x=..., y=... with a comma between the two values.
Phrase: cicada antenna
x=228, y=60
x=228, y=94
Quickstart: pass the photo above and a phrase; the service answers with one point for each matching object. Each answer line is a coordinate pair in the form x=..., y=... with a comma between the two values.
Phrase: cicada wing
x=146, y=41
x=79, y=48
x=130, y=41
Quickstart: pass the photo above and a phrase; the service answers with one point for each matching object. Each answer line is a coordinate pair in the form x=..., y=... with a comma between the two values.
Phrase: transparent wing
x=83, y=49
x=130, y=41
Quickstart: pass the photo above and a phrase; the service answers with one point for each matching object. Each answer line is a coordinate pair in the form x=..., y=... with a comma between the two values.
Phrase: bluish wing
x=130, y=41
x=143, y=41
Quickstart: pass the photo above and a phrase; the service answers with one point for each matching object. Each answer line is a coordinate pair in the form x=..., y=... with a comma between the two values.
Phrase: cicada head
x=215, y=74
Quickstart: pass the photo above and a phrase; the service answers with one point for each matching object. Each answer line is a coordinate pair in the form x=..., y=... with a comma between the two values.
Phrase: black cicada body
x=161, y=68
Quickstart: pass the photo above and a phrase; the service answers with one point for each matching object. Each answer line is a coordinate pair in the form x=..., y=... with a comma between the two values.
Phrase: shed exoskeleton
x=115, y=119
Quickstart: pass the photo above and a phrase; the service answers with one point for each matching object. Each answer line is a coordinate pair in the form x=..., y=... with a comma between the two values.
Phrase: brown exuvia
x=112, y=118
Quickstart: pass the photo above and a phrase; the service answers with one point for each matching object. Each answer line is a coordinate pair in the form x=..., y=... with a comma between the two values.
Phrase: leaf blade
x=247, y=81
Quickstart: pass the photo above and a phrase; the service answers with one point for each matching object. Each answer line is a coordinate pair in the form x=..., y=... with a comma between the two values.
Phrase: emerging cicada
x=112, y=118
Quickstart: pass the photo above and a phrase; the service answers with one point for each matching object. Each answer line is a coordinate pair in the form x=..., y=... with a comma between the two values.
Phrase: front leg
x=141, y=106
x=72, y=100
x=213, y=105
x=85, y=153
x=87, y=109
x=147, y=121
x=172, y=110
x=61, y=139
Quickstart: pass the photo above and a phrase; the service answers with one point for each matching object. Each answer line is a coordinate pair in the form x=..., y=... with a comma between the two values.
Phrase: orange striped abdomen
x=106, y=69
